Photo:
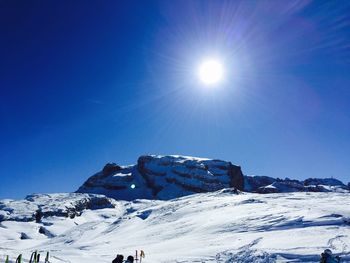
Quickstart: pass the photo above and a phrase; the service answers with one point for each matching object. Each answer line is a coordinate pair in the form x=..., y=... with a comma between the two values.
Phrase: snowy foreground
x=211, y=227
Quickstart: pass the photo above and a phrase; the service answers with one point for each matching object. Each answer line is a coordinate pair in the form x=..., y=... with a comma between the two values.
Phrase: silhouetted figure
x=328, y=257
x=118, y=259
x=130, y=259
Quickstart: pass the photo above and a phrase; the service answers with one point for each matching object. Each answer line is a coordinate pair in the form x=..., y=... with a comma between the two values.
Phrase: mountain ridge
x=222, y=224
x=170, y=176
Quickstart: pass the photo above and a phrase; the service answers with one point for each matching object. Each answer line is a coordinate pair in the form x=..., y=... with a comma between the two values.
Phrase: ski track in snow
x=213, y=227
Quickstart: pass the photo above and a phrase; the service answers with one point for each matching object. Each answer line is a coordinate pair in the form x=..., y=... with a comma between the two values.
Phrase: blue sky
x=84, y=83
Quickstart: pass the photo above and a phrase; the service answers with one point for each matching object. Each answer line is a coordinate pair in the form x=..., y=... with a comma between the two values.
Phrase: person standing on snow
x=327, y=257
x=118, y=259
x=130, y=259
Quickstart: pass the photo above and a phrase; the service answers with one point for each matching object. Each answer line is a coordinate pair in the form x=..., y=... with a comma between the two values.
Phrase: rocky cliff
x=265, y=185
x=167, y=177
x=164, y=177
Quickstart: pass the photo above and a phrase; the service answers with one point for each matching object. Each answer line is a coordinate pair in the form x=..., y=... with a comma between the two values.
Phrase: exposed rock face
x=38, y=206
x=253, y=183
x=118, y=184
x=323, y=181
x=165, y=177
x=110, y=168
x=265, y=185
x=187, y=175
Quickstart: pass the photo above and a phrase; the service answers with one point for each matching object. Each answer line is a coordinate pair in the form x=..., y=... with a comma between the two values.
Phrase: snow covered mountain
x=167, y=177
x=37, y=206
x=265, y=184
x=223, y=226
x=164, y=178
x=181, y=209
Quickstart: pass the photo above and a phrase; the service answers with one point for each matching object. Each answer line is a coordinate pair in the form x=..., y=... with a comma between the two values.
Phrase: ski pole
x=47, y=257
x=142, y=255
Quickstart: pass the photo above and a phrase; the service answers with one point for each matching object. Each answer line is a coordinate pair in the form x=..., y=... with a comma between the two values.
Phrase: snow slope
x=37, y=206
x=221, y=226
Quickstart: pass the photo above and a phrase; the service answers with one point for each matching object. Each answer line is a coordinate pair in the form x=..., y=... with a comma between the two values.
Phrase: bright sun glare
x=211, y=72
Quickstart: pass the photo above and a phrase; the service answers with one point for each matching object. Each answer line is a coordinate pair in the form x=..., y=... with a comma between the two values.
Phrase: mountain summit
x=164, y=177
x=168, y=177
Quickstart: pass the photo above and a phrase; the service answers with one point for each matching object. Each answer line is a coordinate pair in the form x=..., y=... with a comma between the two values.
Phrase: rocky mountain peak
x=164, y=177
x=172, y=176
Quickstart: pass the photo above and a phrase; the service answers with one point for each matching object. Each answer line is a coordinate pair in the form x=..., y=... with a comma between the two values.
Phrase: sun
x=211, y=72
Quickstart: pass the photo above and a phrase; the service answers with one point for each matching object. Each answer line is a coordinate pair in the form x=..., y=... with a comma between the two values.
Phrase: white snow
x=211, y=227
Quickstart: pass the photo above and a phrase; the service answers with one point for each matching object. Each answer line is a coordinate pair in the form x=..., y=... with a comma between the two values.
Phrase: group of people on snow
x=139, y=255
x=120, y=259
x=326, y=257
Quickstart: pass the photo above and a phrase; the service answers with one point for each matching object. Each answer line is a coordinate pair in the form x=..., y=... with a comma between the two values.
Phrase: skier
x=130, y=259
x=118, y=259
x=327, y=257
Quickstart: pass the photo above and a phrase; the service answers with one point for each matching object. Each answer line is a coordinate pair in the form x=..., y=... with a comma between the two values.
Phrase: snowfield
x=221, y=226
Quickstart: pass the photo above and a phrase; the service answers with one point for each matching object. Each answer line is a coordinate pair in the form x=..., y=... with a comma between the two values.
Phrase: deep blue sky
x=88, y=82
